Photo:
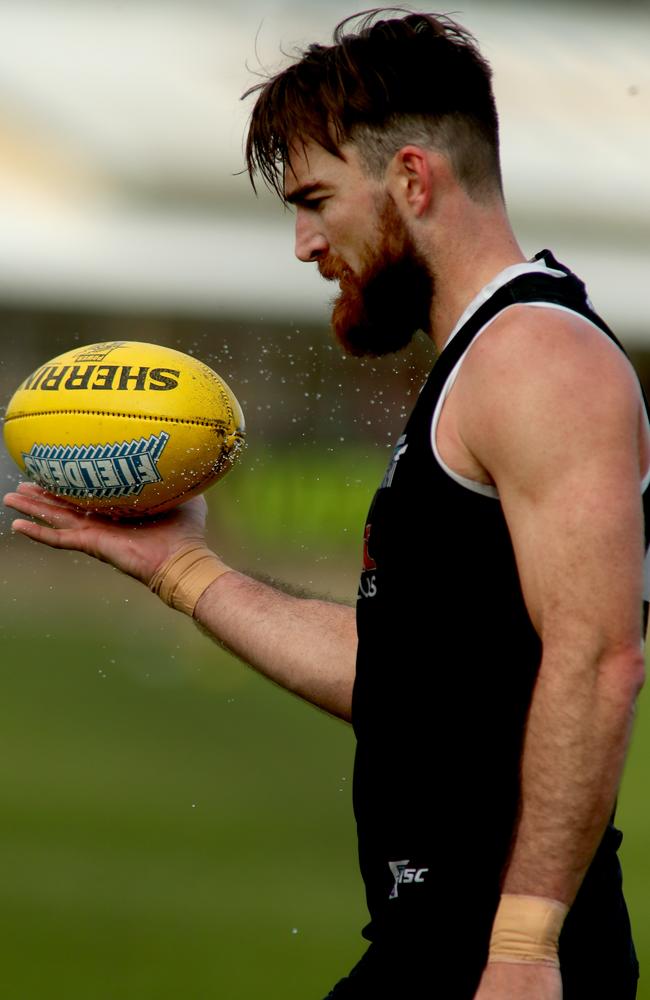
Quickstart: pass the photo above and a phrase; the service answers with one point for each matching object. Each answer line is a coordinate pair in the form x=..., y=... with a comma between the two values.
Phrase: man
x=493, y=666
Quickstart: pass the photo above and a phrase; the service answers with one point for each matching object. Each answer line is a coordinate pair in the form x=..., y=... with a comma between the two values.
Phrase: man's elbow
x=639, y=672
x=626, y=670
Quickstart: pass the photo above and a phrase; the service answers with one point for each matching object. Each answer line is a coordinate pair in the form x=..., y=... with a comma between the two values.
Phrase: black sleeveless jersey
x=446, y=665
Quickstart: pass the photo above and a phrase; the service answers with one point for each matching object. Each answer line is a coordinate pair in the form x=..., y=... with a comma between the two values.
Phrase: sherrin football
x=124, y=428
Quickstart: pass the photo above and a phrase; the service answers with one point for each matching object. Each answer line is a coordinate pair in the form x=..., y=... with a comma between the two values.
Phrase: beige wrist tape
x=527, y=929
x=182, y=579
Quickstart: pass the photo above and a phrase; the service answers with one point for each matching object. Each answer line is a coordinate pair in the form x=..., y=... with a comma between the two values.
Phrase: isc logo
x=403, y=875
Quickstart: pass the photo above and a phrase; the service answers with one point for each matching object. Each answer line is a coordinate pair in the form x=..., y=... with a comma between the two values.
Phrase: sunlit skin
x=464, y=242
x=387, y=299
x=385, y=286
x=335, y=203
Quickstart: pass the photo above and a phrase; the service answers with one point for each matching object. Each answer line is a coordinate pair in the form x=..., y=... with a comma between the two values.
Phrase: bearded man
x=492, y=667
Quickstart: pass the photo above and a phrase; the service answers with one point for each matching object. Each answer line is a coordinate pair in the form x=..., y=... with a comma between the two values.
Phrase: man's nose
x=310, y=243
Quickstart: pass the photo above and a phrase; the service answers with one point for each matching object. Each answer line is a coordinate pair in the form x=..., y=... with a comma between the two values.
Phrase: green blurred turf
x=170, y=835
x=170, y=824
x=634, y=819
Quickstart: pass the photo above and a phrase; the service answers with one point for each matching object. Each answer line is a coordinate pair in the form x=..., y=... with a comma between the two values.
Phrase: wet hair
x=385, y=83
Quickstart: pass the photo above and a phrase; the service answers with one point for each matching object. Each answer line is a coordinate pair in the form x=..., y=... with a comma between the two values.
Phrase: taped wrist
x=183, y=578
x=527, y=929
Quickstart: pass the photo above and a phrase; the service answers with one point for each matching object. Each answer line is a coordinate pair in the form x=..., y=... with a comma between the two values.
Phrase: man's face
x=350, y=226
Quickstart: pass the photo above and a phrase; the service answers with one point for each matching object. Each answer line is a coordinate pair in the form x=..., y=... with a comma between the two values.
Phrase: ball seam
x=197, y=421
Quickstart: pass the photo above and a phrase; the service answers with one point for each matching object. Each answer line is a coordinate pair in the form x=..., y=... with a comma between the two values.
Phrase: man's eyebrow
x=299, y=194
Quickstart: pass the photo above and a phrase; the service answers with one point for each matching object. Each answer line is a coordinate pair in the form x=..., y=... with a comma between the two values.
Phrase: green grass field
x=170, y=824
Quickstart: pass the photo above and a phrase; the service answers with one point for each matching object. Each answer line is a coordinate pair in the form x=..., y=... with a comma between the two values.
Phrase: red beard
x=379, y=310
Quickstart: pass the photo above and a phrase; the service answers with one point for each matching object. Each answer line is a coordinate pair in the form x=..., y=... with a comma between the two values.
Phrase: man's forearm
x=577, y=735
x=306, y=646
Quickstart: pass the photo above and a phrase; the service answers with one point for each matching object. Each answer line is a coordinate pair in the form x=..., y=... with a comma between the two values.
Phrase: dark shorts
x=366, y=983
x=597, y=957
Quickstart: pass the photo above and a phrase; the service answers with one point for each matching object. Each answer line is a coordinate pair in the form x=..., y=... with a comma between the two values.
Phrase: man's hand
x=136, y=548
x=306, y=646
x=506, y=981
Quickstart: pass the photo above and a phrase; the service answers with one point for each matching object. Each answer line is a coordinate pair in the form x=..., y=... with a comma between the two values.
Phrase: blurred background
x=170, y=825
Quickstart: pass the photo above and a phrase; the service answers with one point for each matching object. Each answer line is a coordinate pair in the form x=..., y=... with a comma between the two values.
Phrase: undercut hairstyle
x=385, y=83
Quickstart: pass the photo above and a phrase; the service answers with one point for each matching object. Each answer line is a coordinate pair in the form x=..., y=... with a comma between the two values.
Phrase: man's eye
x=314, y=203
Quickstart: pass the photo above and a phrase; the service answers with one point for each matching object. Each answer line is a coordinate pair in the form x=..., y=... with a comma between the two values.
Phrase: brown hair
x=416, y=79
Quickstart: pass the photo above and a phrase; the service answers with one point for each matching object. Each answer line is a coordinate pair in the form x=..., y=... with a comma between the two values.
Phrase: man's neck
x=483, y=245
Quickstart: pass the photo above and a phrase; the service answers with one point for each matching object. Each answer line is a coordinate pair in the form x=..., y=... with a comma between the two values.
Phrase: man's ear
x=412, y=178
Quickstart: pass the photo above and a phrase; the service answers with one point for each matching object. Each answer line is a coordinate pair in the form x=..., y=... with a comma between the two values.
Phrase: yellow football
x=124, y=428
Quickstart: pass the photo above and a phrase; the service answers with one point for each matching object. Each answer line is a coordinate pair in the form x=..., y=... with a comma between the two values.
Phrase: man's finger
x=48, y=511
x=26, y=488
x=54, y=537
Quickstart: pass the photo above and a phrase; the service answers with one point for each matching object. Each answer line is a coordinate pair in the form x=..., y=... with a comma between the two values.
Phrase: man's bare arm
x=561, y=437
x=561, y=441
x=306, y=646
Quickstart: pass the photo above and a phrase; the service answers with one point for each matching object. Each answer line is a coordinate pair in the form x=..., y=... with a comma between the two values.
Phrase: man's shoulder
x=529, y=348
x=539, y=384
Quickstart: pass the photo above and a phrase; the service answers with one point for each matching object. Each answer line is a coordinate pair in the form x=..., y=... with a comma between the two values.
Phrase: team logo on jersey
x=368, y=562
x=98, y=470
x=404, y=875
x=399, y=449
x=368, y=581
